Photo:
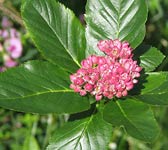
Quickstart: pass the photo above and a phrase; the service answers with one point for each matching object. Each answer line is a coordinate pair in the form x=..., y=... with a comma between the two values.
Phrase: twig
x=10, y=13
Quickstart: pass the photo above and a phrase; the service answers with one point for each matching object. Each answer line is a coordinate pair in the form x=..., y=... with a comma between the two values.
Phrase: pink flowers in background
x=112, y=75
x=6, y=23
x=10, y=44
x=13, y=47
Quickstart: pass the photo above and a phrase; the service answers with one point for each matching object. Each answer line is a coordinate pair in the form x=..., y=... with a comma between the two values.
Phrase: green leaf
x=56, y=32
x=39, y=87
x=136, y=117
x=154, y=89
x=115, y=19
x=91, y=133
x=30, y=143
x=30, y=55
x=150, y=57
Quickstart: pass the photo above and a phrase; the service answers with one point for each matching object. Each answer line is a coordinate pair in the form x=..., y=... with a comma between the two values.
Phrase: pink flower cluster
x=10, y=44
x=112, y=75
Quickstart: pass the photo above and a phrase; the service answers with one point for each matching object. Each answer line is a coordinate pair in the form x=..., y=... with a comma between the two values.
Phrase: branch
x=10, y=13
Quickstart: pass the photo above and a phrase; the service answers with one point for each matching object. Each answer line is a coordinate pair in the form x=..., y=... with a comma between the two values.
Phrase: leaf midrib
x=151, y=92
x=118, y=19
x=150, y=56
x=39, y=93
x=83, y=131
x=57, y=37
x=160, y=93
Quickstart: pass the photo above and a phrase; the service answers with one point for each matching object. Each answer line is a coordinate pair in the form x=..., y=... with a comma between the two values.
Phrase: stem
x=10, y=13
x=34, y=127
x=48, y=131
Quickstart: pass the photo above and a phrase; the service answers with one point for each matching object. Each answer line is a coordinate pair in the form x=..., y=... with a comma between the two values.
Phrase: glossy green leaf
x=39, y=87
x=153, y=89
x=149, y=57
x=91, y=133
x=115, y=19
x=136, y=117
x=56, y=32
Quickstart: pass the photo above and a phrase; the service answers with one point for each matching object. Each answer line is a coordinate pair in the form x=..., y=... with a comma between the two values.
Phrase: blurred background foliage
x=20, y=131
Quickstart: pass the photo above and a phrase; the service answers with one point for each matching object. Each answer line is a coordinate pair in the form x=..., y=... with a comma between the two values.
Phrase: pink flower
x=6, y=23
x=115, y=48
x=9, y=33
x=2, y=69
x=4, y=34
x=14, y=33
x=112, y=75
x=9, y=62
x=14, y=47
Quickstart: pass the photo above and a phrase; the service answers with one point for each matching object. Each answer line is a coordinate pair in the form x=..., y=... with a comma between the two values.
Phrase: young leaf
x=150, y=57
x=115, y=19
x=136, y=117
x=91, y=133
x=39, y=87
x=56, y=32
x=154, y=89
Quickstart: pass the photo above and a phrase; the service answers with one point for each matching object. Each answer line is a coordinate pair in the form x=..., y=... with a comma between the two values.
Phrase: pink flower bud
x=86, y=78
x=102, y=61
x=125, y=45
x=117, y=43
x=110, y=96
x=119, y=87
x=77, y=89
x=137, y=74
x=103, y=45
x=73, y=78
x=82, y=71
x=72, y=86
x=95, y=59
x=83, y=93
x=129, y=86
x=138, y=69
x=88, y=87
x=120, y=70
x=98, y=97
x=124, y=93
x=78, y=81
x=135, y=81
x=119, y=94
x=86, y=64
